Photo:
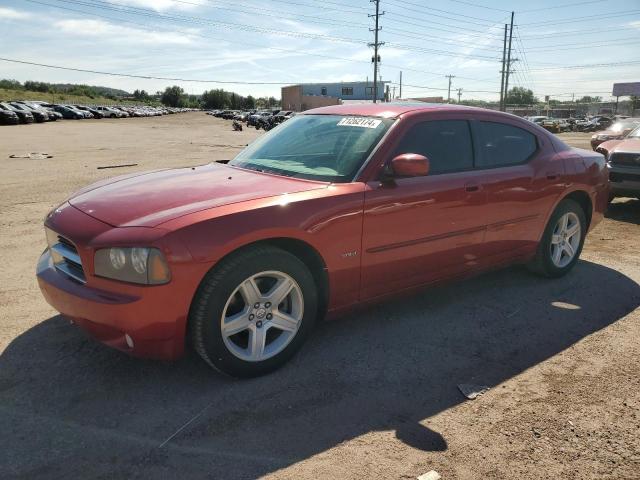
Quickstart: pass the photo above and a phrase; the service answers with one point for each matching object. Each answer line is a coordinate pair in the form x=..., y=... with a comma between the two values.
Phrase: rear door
x=522, y=177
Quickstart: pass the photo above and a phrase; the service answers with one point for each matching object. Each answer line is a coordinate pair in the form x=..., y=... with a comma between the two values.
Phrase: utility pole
x=506, y=78
x=459, y=94
x=394, y=92
x=376, y=44
x=450, y=77
x=400, y=83
x=504, y=58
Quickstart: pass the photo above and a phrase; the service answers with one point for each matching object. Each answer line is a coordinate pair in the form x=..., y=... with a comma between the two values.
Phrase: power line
x=205, y=21
x=442, y=89
x=430, y=23
x=145, y=77
x=429, y=11
x=580, y=46
x=559, y=6
x=581, y=19
x=566, y=33
x=480, y=6
x=245, y=43
x=446, y=11
x=592, y=65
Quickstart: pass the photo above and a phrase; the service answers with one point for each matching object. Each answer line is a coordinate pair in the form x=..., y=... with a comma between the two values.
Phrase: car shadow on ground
x=625, y=210
x=75, y=409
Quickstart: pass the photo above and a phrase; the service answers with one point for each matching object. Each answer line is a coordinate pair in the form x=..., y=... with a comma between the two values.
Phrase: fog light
x=129, y=340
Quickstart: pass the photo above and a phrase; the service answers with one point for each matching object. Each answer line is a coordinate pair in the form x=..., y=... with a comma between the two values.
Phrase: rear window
x=501, y=145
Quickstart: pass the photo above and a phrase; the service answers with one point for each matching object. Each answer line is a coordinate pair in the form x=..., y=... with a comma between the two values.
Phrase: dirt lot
x=370, y=396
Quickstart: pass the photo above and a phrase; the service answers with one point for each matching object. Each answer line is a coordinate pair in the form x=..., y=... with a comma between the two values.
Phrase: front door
x=419, y=229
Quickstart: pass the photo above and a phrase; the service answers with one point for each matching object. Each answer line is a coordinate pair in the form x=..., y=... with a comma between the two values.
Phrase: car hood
x=628, y=145
x=152, y=198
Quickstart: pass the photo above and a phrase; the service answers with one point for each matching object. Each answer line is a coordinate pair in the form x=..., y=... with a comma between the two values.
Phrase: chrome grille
x=627, y=159
x=65, y=256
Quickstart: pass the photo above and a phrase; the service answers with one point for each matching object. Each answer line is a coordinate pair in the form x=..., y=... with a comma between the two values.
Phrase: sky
x=562, y=48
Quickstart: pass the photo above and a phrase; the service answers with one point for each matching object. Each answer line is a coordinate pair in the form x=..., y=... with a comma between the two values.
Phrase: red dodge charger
x=337, y=207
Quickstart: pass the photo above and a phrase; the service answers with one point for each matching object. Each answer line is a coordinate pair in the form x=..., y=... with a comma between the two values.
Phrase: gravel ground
x=372, y=395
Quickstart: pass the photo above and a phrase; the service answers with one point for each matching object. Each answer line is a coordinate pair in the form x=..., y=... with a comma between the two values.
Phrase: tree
x=249, y=102
x=589, y=99
x=10, y=84
x=140, y=95
x=520, y=96
x=173, y=97
x=214, y=99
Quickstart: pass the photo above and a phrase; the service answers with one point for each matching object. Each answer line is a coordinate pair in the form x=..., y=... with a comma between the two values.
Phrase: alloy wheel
x=262, y=316
x=565, y=239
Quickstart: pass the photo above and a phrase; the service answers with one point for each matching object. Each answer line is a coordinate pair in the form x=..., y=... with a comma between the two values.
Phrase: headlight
x=136, y=265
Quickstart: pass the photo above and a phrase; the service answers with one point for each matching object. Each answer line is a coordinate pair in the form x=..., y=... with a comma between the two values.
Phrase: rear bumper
x=149, y=320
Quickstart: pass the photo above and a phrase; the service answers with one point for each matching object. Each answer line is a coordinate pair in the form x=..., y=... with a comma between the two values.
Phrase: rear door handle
x=552, y=176
x=472, y=187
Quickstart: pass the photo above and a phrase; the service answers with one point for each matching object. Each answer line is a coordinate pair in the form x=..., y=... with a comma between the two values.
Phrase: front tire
x=253, y=311
x=562, y=241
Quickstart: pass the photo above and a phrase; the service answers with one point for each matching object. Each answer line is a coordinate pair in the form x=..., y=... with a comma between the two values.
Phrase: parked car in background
x=94, y=113
x=68, y=113
x=124, y=112
x=555, y=125
x=85, y=113
x=8, y=117
x=623, y=158
x=252, y=120
x=243, y=258
x=23, y=115
x=109, y=112
x=53, y=115
x=39, y=116
x=538, y=119
x=616, y=131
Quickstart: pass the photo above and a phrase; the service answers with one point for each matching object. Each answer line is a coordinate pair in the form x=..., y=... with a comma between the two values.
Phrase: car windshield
x=625, y=125
x=635, y=133
x=329, y=148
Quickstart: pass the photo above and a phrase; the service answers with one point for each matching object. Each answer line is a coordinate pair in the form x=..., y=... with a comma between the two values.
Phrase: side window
x=502, y=145
x=446, y=143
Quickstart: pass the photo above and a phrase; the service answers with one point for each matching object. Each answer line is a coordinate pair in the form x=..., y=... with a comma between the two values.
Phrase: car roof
x=385, y=110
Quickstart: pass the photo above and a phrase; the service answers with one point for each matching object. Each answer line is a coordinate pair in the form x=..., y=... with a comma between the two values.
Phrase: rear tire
x=562, y=241
x=233, y=324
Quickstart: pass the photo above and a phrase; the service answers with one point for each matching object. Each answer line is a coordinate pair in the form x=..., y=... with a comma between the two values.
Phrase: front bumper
x=624, y=181
x=149, y=320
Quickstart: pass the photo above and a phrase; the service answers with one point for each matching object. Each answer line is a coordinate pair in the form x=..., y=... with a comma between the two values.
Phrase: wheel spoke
x=280, y=291
x=250, y=291
x=564, y=221
x=573, y=229
x=557, y=255
x=257, y=341
x=235, y=324
x=568, y=248
x=284, y=321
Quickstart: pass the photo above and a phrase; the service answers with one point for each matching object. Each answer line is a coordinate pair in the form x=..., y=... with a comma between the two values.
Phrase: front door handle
x=552, y=175
x=472, y=187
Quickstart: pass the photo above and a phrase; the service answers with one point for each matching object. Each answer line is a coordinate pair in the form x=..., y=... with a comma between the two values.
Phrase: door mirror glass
x=410, y=165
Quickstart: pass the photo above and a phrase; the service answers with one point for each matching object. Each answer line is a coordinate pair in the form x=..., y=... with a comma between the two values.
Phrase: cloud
x=159, y=5
x=11, y=14
x=132, y=36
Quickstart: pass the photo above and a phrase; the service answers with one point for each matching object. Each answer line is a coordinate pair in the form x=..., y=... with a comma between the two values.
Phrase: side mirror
x=410, y=165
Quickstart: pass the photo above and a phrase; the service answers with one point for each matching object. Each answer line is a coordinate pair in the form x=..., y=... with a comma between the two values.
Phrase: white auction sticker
x=363, y=122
